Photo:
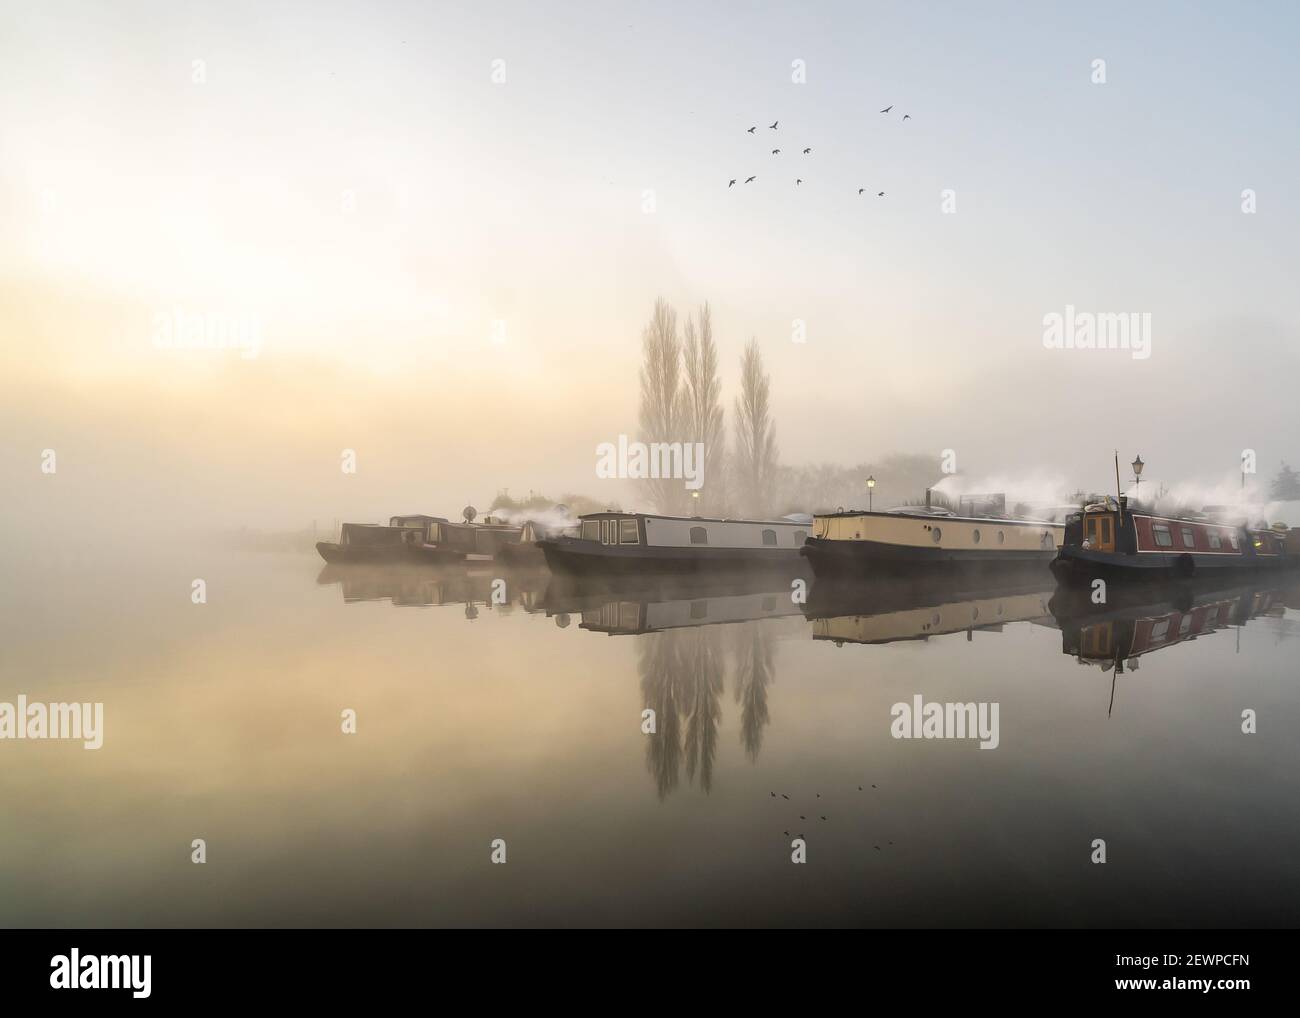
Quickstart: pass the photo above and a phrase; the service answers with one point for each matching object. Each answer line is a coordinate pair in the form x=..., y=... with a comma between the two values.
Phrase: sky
x=445, y=226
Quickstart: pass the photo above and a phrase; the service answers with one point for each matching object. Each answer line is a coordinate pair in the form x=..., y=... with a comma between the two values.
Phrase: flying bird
x=730, y=182
x=806, y=151
x=797, y=182
x=907, y=116
x=776, y=151
x=747, y=180
x=772, y=125
x=752, y=129
x=861, y=189
x=887, y=108
x=879, y=194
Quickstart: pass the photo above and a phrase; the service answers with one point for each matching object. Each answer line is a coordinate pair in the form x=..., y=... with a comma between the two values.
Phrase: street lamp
x=1137, y=475
x=695, y=501
x=871, y=486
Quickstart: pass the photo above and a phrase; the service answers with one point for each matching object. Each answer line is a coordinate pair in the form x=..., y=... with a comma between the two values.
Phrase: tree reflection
x=755, y=651
x=682, y=681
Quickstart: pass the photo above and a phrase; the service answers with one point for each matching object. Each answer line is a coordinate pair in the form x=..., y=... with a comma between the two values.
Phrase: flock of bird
x=803, y=816
x=807, y=151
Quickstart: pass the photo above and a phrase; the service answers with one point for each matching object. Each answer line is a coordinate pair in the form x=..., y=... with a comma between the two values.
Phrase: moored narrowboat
x=619, y=543
x=419, y=540
x=913, y=540
x=1113, y=539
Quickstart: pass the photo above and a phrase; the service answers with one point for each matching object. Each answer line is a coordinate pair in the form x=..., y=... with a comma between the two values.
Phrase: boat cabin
x=620, y=528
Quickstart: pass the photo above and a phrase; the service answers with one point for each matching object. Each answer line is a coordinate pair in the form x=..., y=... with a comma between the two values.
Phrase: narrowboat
x=619, y=543
x=1113, y=539
x=373, y=544
x=418, y=540
x=913, y=540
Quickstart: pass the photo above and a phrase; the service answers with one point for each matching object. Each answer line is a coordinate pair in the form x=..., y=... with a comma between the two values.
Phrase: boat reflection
x=495, y=589
x=1139, y=621
x=880, y=612
x=630, y=608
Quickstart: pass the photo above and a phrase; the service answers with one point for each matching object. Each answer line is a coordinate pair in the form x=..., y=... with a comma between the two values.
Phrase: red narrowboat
x=1111, y=538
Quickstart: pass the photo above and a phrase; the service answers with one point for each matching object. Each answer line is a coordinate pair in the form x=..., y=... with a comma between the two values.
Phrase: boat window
x=976, y=536
x=1160, y=630
x=1047, y=541
x=769, y=538
x=591, y=530
x=1189, y=541
x=1232, y=539
x=1002, y=538
x=1163, y=538
x=1106, y=522
x=699, y=535
x=627, y=532
x=1185, y=626
x=699, y=609
x=936, y=534
x=800, y=536
x=1215, y=540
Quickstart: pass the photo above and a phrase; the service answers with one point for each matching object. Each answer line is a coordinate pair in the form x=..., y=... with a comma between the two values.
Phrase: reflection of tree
x=755, y=653
x=681, y=681
x=659, y=664
x=705, y=666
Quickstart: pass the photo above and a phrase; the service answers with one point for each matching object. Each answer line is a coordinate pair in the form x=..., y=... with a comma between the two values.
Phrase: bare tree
x=702, y=396
x=756, y=454
x=662, y=404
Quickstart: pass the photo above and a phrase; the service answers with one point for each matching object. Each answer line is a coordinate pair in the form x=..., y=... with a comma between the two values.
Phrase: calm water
x=523, y=722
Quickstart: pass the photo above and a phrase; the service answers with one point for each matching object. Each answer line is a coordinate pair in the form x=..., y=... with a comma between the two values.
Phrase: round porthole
x=936, y=533
x=1002, y=538
x=976, y=536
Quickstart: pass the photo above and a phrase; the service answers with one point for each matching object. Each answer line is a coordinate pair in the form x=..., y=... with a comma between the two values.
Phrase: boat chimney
x=927, y=498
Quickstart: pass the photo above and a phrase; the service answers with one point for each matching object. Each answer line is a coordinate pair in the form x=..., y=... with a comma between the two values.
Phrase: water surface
x=523, y=722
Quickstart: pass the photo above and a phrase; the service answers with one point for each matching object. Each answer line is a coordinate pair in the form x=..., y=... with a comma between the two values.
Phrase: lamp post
x=1137, y=475
x=695, y=501
x=871, y=491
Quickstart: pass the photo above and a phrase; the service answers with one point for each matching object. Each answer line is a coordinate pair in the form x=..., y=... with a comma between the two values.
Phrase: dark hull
x=392, y=554
x=572, y=557
x=1079, y=566
x=847, y=560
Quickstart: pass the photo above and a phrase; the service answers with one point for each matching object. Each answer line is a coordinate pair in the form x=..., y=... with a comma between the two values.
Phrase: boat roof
x=939, y=513
x=618, y=513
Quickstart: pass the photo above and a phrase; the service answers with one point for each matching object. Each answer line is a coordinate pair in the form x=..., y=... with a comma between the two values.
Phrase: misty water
x=523, y=722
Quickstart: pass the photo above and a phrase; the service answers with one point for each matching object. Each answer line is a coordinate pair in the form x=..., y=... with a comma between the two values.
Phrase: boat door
x=1099, y=531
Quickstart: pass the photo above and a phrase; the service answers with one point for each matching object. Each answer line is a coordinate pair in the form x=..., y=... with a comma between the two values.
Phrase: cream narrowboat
x=910, y=539
x=619, y=543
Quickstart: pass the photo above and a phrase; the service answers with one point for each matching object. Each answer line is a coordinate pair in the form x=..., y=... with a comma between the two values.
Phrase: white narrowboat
x=620, y=543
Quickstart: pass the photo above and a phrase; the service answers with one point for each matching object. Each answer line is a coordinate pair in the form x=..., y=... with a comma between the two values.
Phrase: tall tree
x=756, y=454
x=702, y=396
x=1286, y=485
x=662, y=405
